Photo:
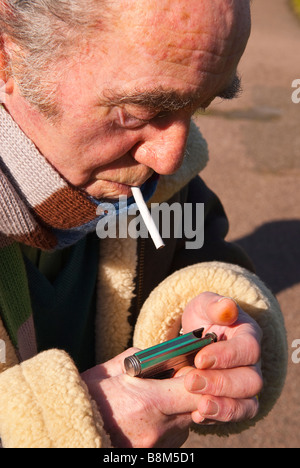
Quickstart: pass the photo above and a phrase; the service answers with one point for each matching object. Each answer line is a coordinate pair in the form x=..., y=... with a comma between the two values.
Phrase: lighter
x=165, y=359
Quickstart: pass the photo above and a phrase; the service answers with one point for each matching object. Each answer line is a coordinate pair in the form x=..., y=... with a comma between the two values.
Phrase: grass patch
x=296, y=6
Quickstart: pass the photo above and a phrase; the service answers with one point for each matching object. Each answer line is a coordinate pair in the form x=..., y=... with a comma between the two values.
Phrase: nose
x=162, y=145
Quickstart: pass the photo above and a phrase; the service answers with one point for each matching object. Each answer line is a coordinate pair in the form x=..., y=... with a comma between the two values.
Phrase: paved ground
x=255, y=169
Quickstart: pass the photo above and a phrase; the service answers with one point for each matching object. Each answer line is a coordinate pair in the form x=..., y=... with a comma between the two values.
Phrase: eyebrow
x=166, y=100
x=233, y=91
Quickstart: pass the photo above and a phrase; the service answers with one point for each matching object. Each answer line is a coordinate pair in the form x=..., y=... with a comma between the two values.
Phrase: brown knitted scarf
x=35, y=200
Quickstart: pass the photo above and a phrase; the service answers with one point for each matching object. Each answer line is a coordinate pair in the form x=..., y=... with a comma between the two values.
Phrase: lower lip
x=109, y=186
x=122, y=189
x=118, y=185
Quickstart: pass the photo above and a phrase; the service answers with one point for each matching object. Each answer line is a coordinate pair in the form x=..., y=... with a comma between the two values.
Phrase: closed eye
x=126, y=120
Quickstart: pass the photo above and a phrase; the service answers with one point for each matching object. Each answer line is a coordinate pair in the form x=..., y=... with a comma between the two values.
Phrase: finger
x=208, y=309
x=171, y=395
x=241, y=350
x=225, y=409
x=183, y=371
x=111, y=368
x=244, y=382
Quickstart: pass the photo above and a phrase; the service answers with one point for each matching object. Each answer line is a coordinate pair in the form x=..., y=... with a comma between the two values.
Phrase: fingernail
x=211, y=410
x=228, y=313
x=225, y=297
x=206, y=362
x=183, y=371
x=198, y=383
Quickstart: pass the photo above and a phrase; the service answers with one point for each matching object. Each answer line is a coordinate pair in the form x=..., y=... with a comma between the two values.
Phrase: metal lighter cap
x=132, y=366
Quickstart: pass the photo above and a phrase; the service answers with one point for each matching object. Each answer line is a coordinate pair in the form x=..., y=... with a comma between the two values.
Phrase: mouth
x=103, y=188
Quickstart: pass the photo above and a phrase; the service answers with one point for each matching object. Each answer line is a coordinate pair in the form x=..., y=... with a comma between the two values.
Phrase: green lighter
x=165, y=359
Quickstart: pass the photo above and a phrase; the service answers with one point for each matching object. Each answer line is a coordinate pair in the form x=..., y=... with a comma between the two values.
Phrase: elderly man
x=98, y=97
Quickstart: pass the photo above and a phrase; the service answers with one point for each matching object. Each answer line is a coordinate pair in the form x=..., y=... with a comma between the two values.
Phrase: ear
x=6, y=83
x=3, y=61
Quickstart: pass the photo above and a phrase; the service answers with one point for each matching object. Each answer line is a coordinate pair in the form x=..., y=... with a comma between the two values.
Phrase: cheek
x=101, y=144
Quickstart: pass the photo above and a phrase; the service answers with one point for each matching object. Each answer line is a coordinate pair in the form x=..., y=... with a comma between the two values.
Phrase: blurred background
x=255, y=169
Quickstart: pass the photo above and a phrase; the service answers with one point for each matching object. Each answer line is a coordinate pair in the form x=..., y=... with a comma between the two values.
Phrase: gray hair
x=43, y=32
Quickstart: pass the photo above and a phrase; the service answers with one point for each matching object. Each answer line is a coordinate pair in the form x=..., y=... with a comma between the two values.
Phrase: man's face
x=128, y=98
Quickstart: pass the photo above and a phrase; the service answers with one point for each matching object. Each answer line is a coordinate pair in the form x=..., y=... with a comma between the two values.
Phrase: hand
x=227, y=374
x=141, y=413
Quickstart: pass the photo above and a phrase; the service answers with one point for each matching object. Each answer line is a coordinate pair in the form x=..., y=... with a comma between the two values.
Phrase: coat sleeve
x=45, y=404
x=160, y=320
x=225, y=269
x=215, y=230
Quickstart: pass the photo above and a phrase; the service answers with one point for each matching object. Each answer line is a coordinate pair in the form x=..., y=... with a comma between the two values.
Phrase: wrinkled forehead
x=196, y=41
x=217, y=26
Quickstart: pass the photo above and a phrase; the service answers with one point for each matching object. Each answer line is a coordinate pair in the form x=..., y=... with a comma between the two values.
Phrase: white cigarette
x=148, y=220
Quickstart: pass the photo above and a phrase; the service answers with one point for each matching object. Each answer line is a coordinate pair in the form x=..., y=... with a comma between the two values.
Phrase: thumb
x=209, y=309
